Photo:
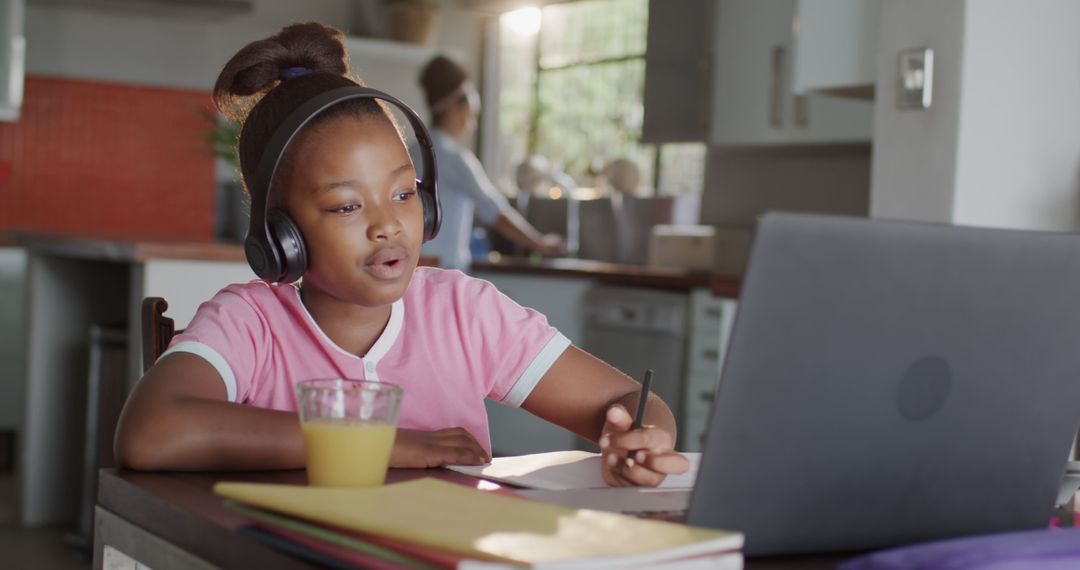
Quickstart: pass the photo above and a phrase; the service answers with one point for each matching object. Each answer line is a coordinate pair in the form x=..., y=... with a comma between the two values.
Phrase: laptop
x=893, y=382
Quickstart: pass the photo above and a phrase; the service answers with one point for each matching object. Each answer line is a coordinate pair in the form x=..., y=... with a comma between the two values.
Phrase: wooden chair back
x=157, y=330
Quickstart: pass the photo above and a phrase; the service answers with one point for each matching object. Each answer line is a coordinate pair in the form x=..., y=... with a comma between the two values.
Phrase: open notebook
x=562, y=470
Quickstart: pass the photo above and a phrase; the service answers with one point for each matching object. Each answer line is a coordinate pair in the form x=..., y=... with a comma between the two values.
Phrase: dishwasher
x=634, y=329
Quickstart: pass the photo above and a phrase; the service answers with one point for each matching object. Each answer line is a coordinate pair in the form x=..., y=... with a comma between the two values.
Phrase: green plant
x=221, y=137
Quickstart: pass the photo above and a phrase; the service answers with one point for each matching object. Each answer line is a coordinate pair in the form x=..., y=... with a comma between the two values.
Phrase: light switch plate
x=916, y=79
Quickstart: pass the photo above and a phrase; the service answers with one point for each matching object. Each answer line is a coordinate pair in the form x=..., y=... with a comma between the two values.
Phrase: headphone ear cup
x=260, y=259
x=290, y=245
x=431, y=211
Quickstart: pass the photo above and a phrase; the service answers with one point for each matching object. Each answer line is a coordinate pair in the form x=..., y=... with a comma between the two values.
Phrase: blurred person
x=468, y=194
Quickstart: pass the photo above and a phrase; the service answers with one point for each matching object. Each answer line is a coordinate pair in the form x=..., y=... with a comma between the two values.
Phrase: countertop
x=107, y=248
x=634, y=275
x=116, y=249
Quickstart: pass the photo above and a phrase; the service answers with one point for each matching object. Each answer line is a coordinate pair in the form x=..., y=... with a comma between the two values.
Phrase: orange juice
x=343, y=453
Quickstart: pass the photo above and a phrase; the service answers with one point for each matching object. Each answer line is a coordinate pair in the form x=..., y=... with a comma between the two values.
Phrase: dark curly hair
x=251, y=91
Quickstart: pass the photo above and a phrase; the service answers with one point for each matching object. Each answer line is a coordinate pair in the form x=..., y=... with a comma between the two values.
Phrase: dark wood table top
x=619, y=274
x=182, y=509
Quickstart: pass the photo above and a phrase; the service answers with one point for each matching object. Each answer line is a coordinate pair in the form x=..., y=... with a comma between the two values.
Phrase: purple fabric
x=294, y=72
x=1051, y=549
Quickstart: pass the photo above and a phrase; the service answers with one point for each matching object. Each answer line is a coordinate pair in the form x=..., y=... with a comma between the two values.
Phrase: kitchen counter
x=104, y=248
x=79, y=291
x=613, y=273
x=120, y=249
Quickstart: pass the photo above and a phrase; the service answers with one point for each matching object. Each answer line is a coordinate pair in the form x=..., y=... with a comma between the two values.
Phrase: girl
x=345, y=194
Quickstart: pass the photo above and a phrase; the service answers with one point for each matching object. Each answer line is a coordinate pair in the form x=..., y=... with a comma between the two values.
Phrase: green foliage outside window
x=574, y=94
x=579, y=101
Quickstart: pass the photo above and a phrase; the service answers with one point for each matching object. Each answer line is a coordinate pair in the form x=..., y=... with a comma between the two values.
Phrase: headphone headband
x=267, y=263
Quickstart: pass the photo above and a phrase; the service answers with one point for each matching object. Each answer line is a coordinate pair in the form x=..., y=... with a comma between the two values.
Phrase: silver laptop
x=893, y=382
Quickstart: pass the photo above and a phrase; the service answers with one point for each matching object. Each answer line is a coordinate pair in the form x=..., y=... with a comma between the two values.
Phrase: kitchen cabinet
x=392, y=67
x=711, y=322
x=70, y=285
x=836, y=47
x=12, y=333
x=678, y=63
x=753, y=98
x=723, y=72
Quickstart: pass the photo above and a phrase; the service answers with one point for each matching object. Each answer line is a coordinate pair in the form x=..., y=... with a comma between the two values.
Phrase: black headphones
x=274, y=246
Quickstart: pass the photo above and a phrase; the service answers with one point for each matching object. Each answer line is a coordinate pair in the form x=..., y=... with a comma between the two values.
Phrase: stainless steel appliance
x=634, y=329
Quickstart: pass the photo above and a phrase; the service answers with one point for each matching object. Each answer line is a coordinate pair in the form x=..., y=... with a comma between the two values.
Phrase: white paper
x=629, y=500
x=562, y=470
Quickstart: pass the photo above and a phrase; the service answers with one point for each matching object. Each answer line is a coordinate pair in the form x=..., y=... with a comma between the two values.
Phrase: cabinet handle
x=776, y=89
x=711, y=354
x=707, y=396
x=802, y=111
x=713, y=312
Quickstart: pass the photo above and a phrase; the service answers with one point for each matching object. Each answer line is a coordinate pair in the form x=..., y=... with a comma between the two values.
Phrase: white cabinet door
x=711, y=322
x=12, y=58
x=836, y=47
x=753, y=98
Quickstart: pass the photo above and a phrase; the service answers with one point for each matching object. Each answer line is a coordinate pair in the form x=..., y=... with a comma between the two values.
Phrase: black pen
x=642, y=400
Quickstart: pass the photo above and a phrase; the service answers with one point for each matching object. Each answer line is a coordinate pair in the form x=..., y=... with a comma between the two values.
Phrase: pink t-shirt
x=451, y=341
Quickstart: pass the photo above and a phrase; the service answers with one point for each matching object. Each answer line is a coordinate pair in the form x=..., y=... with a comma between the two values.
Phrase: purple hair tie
x=294, y=72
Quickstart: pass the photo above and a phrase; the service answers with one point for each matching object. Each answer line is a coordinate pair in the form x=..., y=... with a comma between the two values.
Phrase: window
x=573, y=92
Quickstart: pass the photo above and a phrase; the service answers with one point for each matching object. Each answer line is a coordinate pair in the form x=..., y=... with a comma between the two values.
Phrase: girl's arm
x=590, y=398
x=178, y=418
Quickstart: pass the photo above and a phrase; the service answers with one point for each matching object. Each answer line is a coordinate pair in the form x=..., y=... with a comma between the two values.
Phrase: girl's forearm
x=199, y=434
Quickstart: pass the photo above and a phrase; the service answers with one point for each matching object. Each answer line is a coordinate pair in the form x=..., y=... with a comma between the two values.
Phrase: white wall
x=1019, y=155
x=188, y=51
x=915, y=151
x=1000, y=145
x=155, y=49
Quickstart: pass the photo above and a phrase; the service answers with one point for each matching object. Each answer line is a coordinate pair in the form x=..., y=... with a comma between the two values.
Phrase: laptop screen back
x=893, y=382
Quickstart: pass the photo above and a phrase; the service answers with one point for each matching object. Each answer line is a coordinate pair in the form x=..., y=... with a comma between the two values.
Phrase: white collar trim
x=382, y=344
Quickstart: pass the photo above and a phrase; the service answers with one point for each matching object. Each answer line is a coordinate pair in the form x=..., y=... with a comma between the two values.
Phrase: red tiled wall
x=108, y=159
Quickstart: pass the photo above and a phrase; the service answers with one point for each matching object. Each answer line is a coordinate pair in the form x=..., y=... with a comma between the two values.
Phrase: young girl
x=222, y=396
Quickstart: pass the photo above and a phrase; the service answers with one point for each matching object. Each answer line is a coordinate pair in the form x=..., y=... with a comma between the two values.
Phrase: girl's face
x=352, y=191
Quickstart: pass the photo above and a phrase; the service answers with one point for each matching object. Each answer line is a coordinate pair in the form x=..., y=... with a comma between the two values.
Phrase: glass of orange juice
x=348, y=428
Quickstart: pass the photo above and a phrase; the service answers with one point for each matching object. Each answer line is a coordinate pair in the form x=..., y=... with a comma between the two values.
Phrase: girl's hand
x=416, y=448
x=641, y=457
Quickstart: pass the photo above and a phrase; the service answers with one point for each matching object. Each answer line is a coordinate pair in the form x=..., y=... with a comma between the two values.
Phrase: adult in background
x=466, y=192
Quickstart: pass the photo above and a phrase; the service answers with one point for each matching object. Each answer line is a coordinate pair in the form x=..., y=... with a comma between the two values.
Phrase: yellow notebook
x=487, y=525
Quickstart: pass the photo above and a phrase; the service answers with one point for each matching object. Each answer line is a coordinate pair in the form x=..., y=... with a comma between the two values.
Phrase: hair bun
x=258, y=67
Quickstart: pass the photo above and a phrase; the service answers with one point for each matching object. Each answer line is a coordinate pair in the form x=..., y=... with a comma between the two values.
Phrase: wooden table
x=174, y=521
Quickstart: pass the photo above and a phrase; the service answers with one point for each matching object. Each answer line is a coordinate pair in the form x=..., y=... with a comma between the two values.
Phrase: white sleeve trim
x=214, y=358
x=536, y=370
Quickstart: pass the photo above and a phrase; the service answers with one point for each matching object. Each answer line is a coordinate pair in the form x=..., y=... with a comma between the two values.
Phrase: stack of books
x=431, y=524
